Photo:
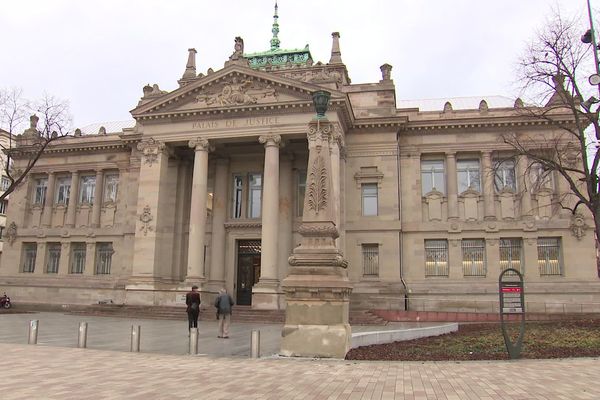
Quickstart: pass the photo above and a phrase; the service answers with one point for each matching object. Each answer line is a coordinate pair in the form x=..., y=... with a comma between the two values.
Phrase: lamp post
x=590, y=37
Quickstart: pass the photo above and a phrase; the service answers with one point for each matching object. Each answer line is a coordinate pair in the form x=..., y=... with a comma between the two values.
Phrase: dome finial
x=275, y=30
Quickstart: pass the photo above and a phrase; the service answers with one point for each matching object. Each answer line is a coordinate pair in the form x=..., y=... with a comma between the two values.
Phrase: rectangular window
x=29, y=256
x=549, y=256
x=432, y=176
x=370, y=255
x=77, y=257
x=505, y=175
x=111, y=184
x=541, y=177
x=511, y=254
x=52, y=258
x=238, y=187
x=255, y=195
x=39, y=191
x=5, y=183
x=436, y=258
x=3, y=206
x=63, y=190
x=1, y=231
x=473, y=255
x=87, y=189
x=104, y=252
x=468, y=175
x=369, y=199
x=300, y=192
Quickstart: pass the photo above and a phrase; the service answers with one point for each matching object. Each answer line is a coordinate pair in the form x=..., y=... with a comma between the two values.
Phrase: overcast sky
x=99, y=54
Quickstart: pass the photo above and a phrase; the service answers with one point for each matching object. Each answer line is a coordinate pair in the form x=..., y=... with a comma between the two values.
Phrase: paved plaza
x=108, y=371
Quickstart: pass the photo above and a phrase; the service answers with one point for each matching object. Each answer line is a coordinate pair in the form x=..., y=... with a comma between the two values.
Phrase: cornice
x=446, y=124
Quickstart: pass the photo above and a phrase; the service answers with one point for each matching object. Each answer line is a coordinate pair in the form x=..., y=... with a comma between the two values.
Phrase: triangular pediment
x=232, y=88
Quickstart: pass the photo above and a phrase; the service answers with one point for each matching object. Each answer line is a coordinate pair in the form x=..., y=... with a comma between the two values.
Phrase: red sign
x=511, y=290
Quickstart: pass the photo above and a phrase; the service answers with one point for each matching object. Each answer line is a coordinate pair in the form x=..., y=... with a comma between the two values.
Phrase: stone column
x=452, y=186
x=335, y=180
x=524, y=186
x=40, y=256
x=49, y=201
x=98, y=193
x=217, y=267
x=286, y=213
x=195, y=269
x=90, y=258
x=73, y=200
x=264, y=293
x=489, y=205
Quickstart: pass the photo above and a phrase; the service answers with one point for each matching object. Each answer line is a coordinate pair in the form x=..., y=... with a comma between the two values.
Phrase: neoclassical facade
x=207, y=187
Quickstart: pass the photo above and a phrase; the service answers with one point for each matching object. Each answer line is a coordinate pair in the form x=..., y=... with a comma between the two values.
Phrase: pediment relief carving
x=237, y=91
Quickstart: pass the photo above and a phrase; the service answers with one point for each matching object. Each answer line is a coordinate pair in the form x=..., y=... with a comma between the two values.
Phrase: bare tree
x=49, y=119
x=554, y=70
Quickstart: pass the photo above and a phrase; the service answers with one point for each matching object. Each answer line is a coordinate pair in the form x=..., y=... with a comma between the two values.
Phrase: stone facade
x=207, y=187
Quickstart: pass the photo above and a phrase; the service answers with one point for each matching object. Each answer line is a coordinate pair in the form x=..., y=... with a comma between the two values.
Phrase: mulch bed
x=560, y=339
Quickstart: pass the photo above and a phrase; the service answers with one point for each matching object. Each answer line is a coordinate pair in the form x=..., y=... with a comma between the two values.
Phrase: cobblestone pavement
x=43, y=372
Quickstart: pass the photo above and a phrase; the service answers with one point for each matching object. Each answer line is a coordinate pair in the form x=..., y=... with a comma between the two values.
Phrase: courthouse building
x=206, y=186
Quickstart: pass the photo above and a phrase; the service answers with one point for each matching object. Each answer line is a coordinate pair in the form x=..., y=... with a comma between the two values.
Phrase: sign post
x=512, y=301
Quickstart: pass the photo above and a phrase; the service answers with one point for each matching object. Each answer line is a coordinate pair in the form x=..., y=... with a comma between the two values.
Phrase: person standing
x=224, y=303
x=192, y=300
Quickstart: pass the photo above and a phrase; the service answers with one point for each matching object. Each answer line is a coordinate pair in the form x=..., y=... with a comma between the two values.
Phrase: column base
x=267, y=296
x=324, y=341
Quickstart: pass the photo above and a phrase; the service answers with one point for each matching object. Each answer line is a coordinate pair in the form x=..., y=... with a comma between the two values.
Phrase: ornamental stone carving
x=150, y=149
x=319, y=130
x=238, y=92
x=200, y=144
x=11, y=233
x=317, y=188
x=270, y=140
x=145, y=219
x=578, y=226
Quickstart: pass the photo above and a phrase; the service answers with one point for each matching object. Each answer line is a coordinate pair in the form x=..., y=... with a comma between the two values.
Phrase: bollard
x=135, y=338
x=193, y=341
x=82, y=339
x=33, y=331
x=255, y=344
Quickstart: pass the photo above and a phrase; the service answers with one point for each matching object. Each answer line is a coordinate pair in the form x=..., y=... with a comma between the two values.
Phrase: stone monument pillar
x=317, y=288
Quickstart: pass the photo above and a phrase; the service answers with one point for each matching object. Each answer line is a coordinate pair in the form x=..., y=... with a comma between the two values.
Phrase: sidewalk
x=42, y=372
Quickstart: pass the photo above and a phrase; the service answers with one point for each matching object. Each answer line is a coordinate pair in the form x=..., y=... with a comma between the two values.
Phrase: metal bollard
x=82, y=339
x=33, y=331
x=255, y=344
x=193, y=341
x=135, y=338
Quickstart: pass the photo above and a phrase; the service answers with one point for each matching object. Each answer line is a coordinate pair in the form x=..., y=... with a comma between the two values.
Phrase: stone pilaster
x=195, y=269
x=317, y=288
x=73, y=200
x=524, y=186
x=217, y=267
x=49, y=201
x=489, y=206
x=265, y=292
x=98, y=194
x=452, y=186
x=286, y=213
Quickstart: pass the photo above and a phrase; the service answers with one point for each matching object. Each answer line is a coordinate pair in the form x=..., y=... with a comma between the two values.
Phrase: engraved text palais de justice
x=236, y=123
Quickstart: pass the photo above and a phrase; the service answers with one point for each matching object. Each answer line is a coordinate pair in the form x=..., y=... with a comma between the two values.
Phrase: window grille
x=541, y=178
x=549, y=256
x=300, y=193
x=39, y=193
x=369, y=199
x=370, y=253
x=63, y=190
x=432, y=176
x=238, y=185
x=111, y=185
x=5, y=183
x=505, y=175
x=255, y=195
x=29, y=256
x=473, y=254
x=104, y=252
x=78, y=258
x=511, y=254
x=436, y=258
x=3, y=206
x=53, y=258
x=87, y=190
x=468, y=175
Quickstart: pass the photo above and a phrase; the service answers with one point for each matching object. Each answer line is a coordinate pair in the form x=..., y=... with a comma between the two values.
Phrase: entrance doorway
x=248, y=270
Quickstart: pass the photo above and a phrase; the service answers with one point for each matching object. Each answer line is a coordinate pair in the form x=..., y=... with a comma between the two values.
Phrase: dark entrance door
x=248, y=270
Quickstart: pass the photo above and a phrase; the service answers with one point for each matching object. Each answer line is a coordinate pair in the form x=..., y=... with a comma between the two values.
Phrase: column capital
x=200, y=144
x=270, y=140
x=150, y=149
x=451, y=154
x=486, y=153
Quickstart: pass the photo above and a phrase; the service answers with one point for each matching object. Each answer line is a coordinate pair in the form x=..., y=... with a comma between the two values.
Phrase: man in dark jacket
x=223, y=303
x=192, y=300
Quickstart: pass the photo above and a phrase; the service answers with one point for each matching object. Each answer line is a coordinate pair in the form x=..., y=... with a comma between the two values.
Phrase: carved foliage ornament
x=320, y=130
x=200, y=144
x=146, y=218
x=11, y=233
x=150, y=149
x=317, y=188
x=578, y=226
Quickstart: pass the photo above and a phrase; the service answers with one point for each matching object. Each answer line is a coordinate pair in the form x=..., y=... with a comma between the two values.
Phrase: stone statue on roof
x=238, y=49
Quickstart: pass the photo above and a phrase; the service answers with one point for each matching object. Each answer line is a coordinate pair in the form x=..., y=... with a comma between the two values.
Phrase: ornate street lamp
x=589, y=37
x=321, y=101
